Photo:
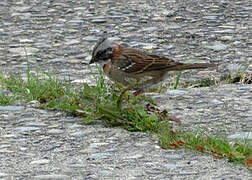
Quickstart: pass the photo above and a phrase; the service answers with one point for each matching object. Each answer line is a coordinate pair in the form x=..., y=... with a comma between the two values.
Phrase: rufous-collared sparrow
x=126, y=64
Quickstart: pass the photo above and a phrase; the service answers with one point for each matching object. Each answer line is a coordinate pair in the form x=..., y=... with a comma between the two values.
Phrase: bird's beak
x=91, y=61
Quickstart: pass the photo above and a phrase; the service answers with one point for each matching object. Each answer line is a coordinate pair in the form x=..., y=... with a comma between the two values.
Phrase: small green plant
x=217, y=146
x=240, y=77
x=177, y=80
x=118, y=107
x=6, y=99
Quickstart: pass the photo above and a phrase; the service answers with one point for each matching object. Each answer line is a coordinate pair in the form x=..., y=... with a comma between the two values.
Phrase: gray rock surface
x=58, y=36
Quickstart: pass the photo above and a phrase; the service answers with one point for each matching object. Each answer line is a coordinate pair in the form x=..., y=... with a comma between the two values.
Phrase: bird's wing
x=135, y=61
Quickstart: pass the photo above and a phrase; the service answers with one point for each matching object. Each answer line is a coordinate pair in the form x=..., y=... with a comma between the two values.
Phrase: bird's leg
x=138, y=92
x=119, y=100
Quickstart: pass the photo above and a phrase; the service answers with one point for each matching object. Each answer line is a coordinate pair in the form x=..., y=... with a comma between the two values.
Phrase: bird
x=129, y=65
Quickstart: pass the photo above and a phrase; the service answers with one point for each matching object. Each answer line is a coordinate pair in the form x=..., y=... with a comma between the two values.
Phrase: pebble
x=134, y=156
x=34, y=104
x=55, y=131
x=90, y=38
x=150, y=29
x=99, y=20
x=11, y=108
x=23, y=51
x=6, y=151
x=148, y=47
x=88, y=151
x=100, y=156
x=52, y=176
x=76, y=21
x=217, y=102
x=79, y=133
x=176, y=92
x=226, y=38
x=3, y=175
x=77, y=166
x=57, y=60
x=212, y=18
x=216, y=46
x=41, y=161
x=207, y=73
x=27, y=128
x=171, y=166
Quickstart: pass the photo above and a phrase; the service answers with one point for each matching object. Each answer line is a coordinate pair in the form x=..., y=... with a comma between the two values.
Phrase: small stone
x=11, y=108
x=134, y=156
x=158, y=19
x=99, y=20
x=69, y=120
x=81, y=81
x=52, y=176
x=200, y=102
x=98, y=144
x=55, y=131
x=72, y=42
x=41, y=161
x=74, y=61
x=210, y=17
x=150, y=29
x=57, y=60
x=105, y=172
x=217, y=47
x=79, y=134
x=169, y=13
x=77, y=21
x=27, y=128
x=5, y=151
x=226, y=38
x=23, y=51
x=177, y=92
x=3, y=175
x=3, y=62
x=77, y=166
x=33, y=104
x=187, y=172
x=126, y=24
x=148, y=47
x=173, y=156
x=35, y=124
x=88, y=151
x=100, y=156
x=90, y=38
x=170, y=166
x=26, y=41
x=217, y=102
x=76, y=126
x=206, y=72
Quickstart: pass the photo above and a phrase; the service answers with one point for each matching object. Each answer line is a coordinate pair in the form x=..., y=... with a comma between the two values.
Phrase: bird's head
x=102, y=52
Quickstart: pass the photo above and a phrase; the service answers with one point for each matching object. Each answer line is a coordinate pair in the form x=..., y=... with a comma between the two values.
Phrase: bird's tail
x=185, y=66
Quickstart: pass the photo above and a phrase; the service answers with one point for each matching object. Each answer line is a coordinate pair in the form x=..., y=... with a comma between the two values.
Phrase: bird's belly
x=121, y=77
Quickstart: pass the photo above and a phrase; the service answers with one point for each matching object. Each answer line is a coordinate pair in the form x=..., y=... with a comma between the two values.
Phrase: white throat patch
x=102, y=63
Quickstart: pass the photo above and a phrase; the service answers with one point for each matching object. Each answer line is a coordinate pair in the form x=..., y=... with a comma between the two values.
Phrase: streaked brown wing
x=135, y=61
